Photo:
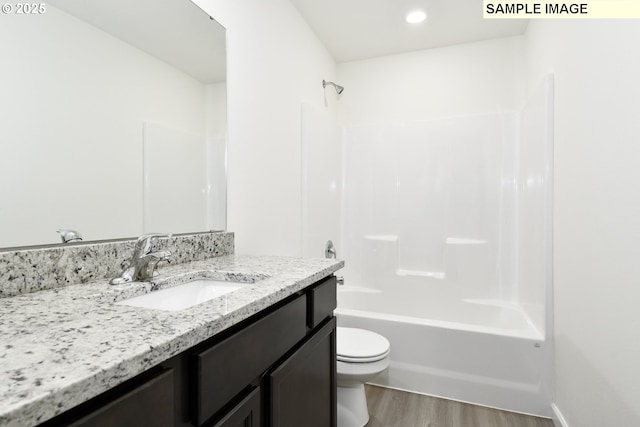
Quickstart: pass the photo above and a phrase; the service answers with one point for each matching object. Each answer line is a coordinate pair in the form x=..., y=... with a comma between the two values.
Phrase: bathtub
x=480, y=351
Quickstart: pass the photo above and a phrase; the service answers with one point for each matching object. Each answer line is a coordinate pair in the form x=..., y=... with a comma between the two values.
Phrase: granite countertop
x=59, y=348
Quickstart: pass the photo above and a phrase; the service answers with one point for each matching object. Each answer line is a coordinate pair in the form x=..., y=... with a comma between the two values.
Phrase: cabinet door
x=245, y=414
x=302, y=390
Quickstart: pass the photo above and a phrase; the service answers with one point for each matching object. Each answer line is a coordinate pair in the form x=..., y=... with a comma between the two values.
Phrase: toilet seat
x=360, y=346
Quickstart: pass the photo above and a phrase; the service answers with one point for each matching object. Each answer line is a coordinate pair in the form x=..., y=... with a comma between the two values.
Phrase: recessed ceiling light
x=416, y=16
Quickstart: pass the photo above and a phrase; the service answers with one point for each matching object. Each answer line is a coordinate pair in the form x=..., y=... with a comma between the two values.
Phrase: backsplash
x=34, y=269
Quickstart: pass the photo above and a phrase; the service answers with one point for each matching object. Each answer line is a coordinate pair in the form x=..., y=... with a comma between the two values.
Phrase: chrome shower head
x=338, y=88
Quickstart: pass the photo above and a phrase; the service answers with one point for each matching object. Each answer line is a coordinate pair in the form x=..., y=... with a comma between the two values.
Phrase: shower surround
x=445, y=227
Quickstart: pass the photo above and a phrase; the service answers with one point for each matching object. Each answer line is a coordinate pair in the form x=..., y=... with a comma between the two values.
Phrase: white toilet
x=362, y=355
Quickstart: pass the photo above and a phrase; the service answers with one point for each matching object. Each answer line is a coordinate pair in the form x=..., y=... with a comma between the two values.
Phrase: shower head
x=338, y=88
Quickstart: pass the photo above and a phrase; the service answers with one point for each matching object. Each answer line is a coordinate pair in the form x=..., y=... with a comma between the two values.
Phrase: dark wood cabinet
x=244, y=414
x=242, y=357
x=275, y=369
x=321, y=301
x=302, y=388
x=148, y=401
x=149, y=404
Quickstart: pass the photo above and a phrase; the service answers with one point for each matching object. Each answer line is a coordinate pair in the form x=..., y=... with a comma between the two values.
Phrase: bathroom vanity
x=276, y=368
x=263, y=355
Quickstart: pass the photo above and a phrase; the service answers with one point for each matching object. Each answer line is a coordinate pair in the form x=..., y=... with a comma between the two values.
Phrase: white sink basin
x=184, y=296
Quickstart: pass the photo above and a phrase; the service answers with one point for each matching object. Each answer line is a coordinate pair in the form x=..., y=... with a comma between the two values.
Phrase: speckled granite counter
x=61, y=347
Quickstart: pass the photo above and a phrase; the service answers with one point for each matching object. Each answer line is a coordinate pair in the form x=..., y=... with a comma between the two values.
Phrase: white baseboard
x=558, y=419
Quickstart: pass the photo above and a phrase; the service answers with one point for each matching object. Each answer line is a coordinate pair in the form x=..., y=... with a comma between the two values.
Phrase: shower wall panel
x=432, y=201
x=321, y=181
x=535, y=160
x=175, y=180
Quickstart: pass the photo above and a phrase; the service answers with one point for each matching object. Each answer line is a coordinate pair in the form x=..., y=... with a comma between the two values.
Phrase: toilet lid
x=360, y=346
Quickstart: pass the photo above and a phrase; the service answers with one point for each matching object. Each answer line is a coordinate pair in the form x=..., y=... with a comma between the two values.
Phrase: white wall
x=596, y=214
x=275, y=63
x=473, y=78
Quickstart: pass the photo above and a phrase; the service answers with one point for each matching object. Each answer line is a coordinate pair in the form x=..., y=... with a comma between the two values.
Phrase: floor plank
x=394, y=408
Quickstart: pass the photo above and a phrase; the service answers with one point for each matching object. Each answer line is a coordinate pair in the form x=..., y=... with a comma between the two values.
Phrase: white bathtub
x=478, y=351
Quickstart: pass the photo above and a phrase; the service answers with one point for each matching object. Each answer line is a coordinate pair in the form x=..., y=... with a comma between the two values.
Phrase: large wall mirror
x=112, y=121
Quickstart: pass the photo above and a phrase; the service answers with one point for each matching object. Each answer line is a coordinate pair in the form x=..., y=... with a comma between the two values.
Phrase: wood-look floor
x=394, y=408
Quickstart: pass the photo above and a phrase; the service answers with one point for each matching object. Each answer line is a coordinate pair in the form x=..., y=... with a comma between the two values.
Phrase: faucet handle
x=143, y=245
x=330, y=250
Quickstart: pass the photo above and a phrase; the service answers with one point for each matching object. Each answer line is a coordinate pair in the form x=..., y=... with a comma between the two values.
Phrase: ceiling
x=360, y=29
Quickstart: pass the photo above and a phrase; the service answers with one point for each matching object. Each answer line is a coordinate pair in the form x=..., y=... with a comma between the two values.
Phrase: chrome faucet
x=143, y=263
x=330, y=250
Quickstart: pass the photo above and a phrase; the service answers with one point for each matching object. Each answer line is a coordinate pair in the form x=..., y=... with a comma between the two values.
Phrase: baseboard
x=558, y=419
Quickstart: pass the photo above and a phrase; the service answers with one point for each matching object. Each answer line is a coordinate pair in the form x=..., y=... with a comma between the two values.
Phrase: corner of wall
x=557, y=417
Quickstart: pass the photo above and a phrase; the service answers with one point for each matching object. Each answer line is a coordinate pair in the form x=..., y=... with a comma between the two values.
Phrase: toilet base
x=352, y=406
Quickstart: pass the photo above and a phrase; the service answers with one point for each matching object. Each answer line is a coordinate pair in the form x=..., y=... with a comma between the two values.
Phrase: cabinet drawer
x=150, y=404
x=224, y=370
x=322, y=301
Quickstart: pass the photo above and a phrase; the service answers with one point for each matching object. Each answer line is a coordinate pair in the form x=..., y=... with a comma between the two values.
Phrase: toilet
x=362, y=355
